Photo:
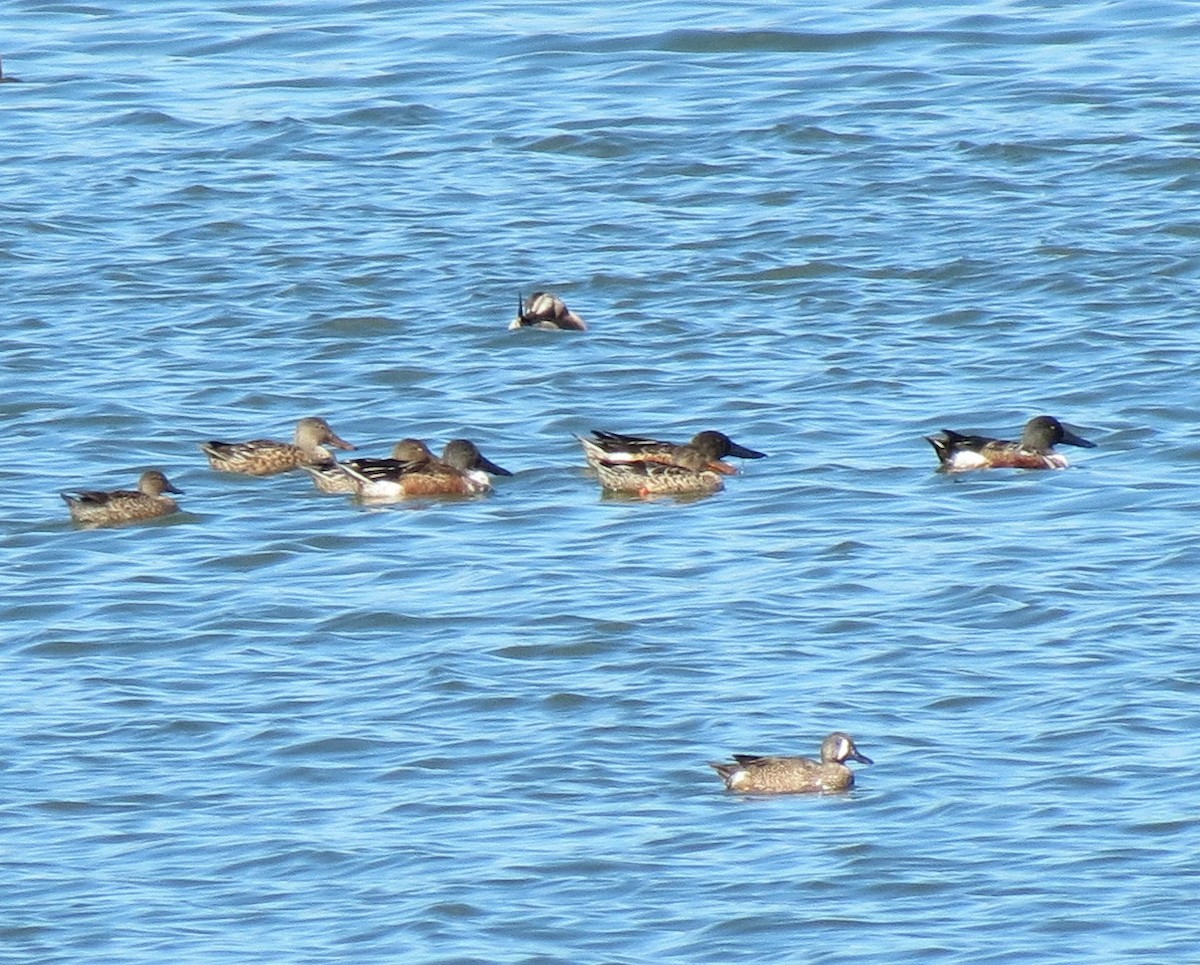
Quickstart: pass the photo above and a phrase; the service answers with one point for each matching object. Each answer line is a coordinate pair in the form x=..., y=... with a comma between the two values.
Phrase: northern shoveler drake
x=612, y=447
x=265, y=457
x=749, y=774
x=462, y=471
x=546, y=310
x=123, y=505
x=1035, y=449
x=330, y=475
x=689, y=475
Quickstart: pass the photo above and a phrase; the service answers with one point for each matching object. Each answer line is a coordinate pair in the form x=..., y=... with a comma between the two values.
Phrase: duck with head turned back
x=265, y=457
x=546, y=310
x=958, y=452
x=96, y=508
x=750, y=774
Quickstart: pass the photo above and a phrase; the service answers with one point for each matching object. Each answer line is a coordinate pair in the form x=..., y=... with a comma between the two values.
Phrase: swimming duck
x=329, y=476
x=265, y=457
x=613, y=447
x=689, y=475
x=123, y=505
x=1035, y=449
x=749, y=774
x=462, y=471
x=546, y=310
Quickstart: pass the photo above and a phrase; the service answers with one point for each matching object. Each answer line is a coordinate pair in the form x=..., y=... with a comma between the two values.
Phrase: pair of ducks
x=647, y=466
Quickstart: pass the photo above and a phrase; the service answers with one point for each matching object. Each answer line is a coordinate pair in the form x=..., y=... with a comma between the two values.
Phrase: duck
x=689, y=475
x=615, y=447
x=546, y=310
x=266, y=457
x=751, y=774
x=462, y=471
x=97, y=508
x=330, y=476
x=958, y=452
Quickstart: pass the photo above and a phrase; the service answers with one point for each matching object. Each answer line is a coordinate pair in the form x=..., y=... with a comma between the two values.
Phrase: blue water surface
x=281, y=726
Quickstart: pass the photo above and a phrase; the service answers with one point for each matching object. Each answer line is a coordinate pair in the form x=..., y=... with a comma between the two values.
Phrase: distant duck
x=688, y=475
x=1035, y=449
x=749, y=774
x=546, y=310
x=122, y=505
x=462, y=471
x=265, y=457
x=4, y=79
x=613, y=447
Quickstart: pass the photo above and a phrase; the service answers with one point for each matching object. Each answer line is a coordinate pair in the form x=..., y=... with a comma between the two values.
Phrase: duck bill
x=861, y=758
x=339, y=443
x=743, y=453
x=1073, y=440
x=488, y=466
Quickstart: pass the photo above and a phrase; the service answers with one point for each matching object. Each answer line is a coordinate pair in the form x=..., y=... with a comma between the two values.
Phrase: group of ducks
x=622, y=463
x=627, y=464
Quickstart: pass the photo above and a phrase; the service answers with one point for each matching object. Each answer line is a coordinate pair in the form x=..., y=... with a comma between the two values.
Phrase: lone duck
x=265, y=457
x=749, y=774
x=123, y=505
x=613, y=447
x=546, y=310
x=462, y=471
x=689, y=475
x=1035, y=449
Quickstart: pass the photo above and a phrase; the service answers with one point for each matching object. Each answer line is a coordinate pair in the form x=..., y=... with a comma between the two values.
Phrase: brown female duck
x=265, y=457
x=97, y=508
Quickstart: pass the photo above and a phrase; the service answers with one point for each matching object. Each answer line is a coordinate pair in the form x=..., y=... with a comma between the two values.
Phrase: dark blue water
x=281, y=726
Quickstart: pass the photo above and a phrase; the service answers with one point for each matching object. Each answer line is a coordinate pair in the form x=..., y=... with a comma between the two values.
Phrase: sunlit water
x=282, y=727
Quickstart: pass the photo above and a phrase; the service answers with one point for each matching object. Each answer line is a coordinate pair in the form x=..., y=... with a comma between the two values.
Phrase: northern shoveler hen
x=689, y=475
x=265, y=457
x=462, y=471
x=612, y=447
x=123, y=505
x=750, y=774
x=546, y=310
x=1035, y=449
